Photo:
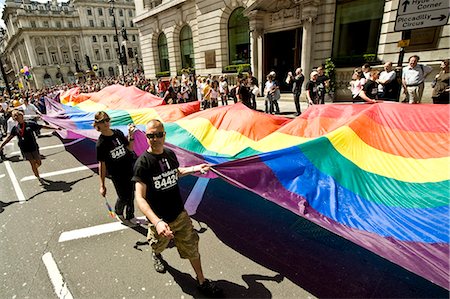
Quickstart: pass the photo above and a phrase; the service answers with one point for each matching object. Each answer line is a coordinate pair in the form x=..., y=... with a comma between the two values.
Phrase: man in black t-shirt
x=369, y=93
x=322, y=83
x=156, y=174
x=312, y=94
x=116, y=158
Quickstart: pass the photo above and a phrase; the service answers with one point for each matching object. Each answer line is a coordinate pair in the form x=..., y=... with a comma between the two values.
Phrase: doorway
x=282, y=54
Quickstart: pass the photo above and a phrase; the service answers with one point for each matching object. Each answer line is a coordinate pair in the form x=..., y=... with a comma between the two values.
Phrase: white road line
x=93, y=231
x=59, y=172
x=59, y=285
x=2, y=176
x=53, y=146
x=14, y=181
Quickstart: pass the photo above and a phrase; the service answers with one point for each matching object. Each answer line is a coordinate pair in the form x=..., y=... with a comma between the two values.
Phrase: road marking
x=59, y=172
x=93, y=231
x=53, y=146
x=59, y=285
x=2, y=176
x=14, y=181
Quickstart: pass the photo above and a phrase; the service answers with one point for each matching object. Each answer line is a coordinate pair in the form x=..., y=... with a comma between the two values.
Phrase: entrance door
x=282, y=54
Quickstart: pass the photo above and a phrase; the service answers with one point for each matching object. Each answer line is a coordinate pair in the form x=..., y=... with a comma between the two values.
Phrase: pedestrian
x=387, y=83
x=158, y=196
x=322, y=84
x=116, y=158
x=441, y=84
x=413, y=78
x=243, y=93
x=369, y=92
x=366, y=68
x=24, y=130
x=297, y=82
x=311, y=89
x=356, y=85
x=223, y=88
x=254, y=89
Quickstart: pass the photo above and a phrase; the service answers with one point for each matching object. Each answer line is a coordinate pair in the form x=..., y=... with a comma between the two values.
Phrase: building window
x=45, y=24
x=163, y=53
x=238, y=37
x=91, y=23
x=100, y=11
x=58, y=24
x=186, y=47
x=131, y=24
x=76, y=54
x=130, y=13
x=97, y=54
x=122, y=23
x=102, y=23
x=107, y=54
x=130, y=53
x=356, y=30
x=89, y=12
x=70, y=24
x=94, y=39
x=33, y=24
x=105, y=39
x=41, y=58
x=115, y=38
x=121, y=12
x=66, y=57
x=133, y=37
x=54, y=57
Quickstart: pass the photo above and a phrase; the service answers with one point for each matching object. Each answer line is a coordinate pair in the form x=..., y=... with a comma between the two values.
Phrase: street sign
x=421, y=19
x=413, y=6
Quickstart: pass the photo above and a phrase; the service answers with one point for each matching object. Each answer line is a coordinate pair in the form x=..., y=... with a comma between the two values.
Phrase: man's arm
x=362, y=95
x=202, y=168
x=162, y=228
x=102, y=175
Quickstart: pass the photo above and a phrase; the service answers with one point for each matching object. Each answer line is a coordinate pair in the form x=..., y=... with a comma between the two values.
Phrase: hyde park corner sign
x=414, y=14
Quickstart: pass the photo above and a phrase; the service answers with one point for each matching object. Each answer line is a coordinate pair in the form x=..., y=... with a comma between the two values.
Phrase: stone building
x=57, y=41
x=219, y=36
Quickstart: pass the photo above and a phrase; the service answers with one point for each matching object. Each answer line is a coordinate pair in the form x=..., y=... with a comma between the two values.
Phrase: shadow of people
x=255, y=289
x=3, y=205
x=52, y=186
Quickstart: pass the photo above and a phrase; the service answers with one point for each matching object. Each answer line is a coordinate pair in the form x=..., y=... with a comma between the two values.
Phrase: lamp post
x=111, y=11
x=2, y=31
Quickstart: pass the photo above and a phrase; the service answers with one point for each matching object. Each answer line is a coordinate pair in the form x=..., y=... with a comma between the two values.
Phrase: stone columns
x=256, y=24
x=309, y=15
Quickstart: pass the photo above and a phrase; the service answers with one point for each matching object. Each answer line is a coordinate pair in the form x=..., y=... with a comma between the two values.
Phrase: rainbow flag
x=377, y=175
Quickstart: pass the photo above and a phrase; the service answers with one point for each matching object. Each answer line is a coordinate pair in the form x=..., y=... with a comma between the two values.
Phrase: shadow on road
x=54, y=186
x=255, y=289
x=3, y=205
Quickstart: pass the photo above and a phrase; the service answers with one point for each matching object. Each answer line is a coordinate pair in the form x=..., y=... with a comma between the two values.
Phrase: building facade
x=63, y=42
x=220, y=36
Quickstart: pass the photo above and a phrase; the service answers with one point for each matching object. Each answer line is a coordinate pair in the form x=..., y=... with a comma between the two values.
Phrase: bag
x=255, y=91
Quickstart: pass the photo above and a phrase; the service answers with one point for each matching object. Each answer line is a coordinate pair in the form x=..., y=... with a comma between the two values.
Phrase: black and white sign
x=414, y=14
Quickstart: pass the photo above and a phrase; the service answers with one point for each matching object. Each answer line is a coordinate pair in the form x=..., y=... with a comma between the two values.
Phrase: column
x=307, y=41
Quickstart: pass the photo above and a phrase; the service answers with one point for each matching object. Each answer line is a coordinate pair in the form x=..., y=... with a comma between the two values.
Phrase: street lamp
x=111, y=12
x=3, y=31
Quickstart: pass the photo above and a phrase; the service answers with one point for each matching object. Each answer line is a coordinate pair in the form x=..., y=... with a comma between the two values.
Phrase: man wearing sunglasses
x=157, y=194
x=116, y=157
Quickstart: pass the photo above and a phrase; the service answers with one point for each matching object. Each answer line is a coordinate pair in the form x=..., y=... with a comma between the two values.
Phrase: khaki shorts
x=31, y=156
x=185, y=237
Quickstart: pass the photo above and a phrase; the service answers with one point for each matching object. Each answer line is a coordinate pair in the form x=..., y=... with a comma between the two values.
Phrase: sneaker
x=210, y=289
x=41, y=182
x=120, y=217
x=158, y=263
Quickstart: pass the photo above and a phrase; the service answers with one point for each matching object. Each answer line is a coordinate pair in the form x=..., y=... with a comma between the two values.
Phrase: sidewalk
x=286, y=103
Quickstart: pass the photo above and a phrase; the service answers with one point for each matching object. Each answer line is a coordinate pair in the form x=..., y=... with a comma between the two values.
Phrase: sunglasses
x=106, y=120
x=155, y=135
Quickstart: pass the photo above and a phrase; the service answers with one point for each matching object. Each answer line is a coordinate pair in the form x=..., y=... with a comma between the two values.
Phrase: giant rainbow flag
x=377, y=175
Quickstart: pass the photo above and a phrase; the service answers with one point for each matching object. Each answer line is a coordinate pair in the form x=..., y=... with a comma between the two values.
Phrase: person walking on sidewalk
x=158, y=196
x=24, y=130
x=116, y=158
x=297, y=82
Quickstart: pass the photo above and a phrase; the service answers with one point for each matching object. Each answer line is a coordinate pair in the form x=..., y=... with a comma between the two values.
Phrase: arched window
x=163, y=53
x=187, y=48
x=238, y=37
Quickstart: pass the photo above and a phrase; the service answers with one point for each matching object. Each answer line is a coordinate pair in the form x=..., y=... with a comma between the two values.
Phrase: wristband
x=159, y=221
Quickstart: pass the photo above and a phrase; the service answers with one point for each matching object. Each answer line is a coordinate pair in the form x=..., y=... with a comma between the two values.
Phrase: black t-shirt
x=245, y=94
x=297, y=84
x=114, y=152
x=312, y=87
x=371, y=89
x=27, y=142
x=160, y=175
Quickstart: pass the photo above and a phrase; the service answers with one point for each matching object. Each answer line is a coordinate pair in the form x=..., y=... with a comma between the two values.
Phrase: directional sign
x=421, y=19
x=413, y=6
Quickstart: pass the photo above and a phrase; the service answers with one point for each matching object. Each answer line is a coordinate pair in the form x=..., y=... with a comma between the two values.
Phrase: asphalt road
x=59, y=241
